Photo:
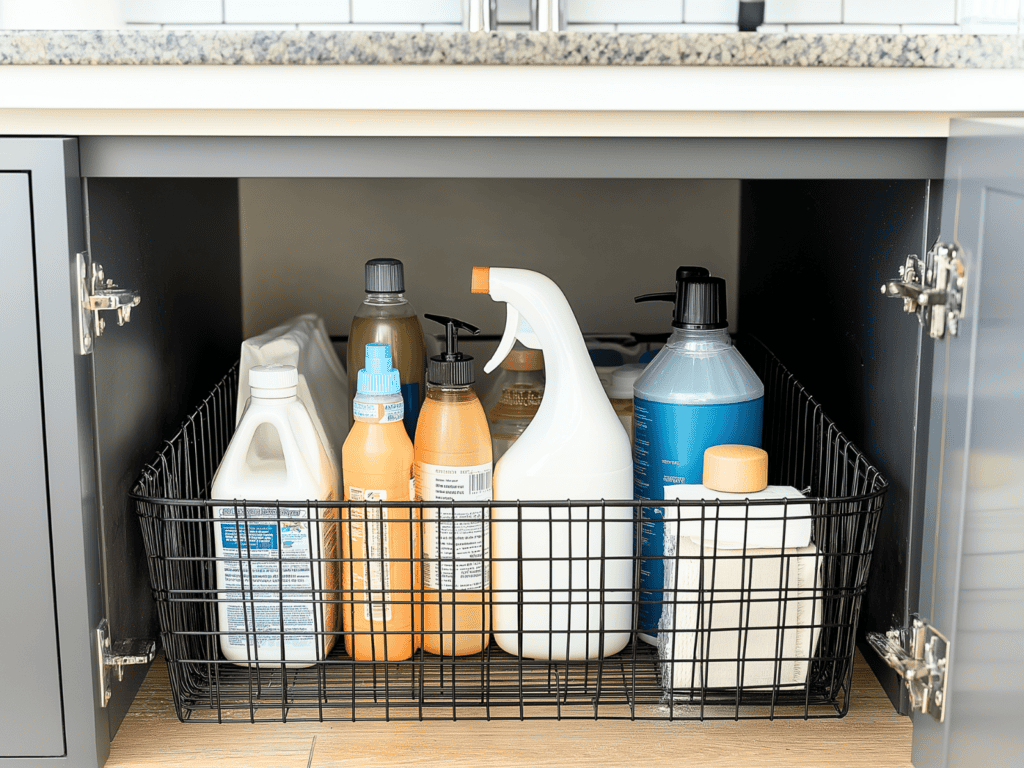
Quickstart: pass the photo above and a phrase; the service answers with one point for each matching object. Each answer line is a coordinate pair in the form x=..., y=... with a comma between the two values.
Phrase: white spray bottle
x=562, y=578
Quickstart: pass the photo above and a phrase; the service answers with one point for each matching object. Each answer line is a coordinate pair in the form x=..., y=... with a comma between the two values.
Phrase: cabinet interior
x=219, y=259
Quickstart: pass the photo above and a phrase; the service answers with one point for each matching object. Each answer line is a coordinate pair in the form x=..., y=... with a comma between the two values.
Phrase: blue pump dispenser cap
x=378, y=377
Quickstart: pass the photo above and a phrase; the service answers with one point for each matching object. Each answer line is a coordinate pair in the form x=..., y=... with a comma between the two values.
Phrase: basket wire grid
x=746, y=666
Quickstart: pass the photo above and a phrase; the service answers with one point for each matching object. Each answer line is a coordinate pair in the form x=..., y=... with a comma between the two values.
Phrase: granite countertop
x=117, y=47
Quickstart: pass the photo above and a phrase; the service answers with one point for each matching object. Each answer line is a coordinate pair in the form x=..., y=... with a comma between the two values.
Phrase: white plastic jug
x=270, y=558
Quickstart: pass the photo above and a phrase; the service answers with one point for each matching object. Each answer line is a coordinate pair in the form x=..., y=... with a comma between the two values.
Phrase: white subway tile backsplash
x=716, y=29
x=513, y=11
x=407, y=11
x=381, y=27
x=989, y=11
x=285, y=11
x=800, y=11
x=503, y=27
x=930, y=29
x=590, y=27
x=990, y=28
x=173, y=11
x=711, y=11
x=231, y=27
x=616, y=11
x=843, y=29
x=902, y=12
x=772, y=29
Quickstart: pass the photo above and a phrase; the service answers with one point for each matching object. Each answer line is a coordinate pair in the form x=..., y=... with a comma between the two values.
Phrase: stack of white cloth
x=728, y=623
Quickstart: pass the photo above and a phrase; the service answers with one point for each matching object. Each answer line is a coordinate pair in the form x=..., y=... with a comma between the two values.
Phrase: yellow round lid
x=735, y=468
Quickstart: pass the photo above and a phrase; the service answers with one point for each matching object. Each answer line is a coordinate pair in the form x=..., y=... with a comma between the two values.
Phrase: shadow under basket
x=744, y=633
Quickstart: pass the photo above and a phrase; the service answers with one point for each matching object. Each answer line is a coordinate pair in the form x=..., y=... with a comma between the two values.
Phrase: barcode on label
x=480, y=481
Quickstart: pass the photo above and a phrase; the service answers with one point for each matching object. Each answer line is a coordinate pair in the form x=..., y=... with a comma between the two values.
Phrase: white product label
x=456, y=553
x=269, y=575
x=379, y=413
x=372, y=576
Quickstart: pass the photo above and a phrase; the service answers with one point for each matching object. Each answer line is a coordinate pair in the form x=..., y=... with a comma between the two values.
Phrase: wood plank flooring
x=871, y=734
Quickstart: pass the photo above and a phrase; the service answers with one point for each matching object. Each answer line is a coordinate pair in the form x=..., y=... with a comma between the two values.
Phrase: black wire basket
x=744, y=632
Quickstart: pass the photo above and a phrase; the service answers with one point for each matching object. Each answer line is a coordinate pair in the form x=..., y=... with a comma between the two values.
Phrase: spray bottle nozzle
x=451, y=367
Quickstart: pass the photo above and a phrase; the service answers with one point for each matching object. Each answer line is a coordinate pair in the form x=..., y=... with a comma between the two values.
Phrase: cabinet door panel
x=972, y=585
x=32, y=722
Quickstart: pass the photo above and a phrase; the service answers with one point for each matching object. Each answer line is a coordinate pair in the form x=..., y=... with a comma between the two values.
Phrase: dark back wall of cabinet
x=176, y=241
x=813, y=255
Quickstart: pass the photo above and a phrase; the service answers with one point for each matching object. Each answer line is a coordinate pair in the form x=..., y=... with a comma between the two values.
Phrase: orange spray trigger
x=481, y=280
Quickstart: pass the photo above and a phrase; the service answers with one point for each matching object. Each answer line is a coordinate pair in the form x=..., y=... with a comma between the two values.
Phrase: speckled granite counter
x=523, y=48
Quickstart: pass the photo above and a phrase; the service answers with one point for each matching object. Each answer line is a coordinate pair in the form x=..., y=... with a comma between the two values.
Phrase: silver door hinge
x=123, y=653
x=922, y=663
x=96, y=293
x=933, y=288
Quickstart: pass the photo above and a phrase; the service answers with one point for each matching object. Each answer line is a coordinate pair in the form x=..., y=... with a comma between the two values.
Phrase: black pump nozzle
x=667, y=296
x=699, y=300
x=451, y=367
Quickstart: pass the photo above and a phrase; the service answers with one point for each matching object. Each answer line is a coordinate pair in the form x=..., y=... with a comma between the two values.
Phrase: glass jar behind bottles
x=515, y=397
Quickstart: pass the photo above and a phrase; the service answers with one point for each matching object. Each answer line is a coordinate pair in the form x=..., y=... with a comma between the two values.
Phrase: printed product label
x=382, y=413
x=411, y=400
x=668, y=449
x=457, y=545
x=270, y=577
x=372, y=575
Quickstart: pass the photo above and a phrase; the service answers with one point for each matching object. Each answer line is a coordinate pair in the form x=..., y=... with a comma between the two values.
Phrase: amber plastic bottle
x=380, y=568
x=386, y=317
x=453, y=462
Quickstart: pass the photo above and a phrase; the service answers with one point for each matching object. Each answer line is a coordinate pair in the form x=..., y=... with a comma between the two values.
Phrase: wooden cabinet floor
x=871, y=734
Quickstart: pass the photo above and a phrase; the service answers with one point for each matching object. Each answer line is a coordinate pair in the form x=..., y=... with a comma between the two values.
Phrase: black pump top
x=451, y=368
x=385, y=276
x=699, y=300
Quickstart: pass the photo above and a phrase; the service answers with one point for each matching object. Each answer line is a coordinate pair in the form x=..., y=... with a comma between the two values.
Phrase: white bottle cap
x=273, y=381
x=623, y=379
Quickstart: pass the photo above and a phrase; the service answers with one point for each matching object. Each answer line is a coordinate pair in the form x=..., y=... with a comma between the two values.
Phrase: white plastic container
x=303, y=342
x=742, y=585
x=275, y=454
x=620, y=392
x=575, y=448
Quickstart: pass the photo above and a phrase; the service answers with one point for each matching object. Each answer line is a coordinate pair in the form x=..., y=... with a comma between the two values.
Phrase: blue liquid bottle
x=696, y=393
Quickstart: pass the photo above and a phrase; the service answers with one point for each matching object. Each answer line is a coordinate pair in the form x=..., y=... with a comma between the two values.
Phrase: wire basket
x=744, y=633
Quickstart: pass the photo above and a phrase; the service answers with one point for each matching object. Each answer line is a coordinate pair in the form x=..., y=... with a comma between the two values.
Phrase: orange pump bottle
x=453, y=463
x=380, y=573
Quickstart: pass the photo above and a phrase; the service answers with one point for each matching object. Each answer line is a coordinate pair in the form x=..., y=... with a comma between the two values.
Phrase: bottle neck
x=385, y=298
x=450, y=393
x=691, y=340
x=378, y=409
x=272, y=396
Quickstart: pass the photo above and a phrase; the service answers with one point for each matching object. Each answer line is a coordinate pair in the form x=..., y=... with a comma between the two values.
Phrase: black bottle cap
x=385, y=276
x=699, y=300
x=451, y=368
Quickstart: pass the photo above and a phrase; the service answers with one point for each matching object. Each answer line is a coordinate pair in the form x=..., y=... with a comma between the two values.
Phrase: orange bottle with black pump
x=453, y=463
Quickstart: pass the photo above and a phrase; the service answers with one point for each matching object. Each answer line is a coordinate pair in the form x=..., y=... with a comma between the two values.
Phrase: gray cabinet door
x=972, y=585
x=32, y=724
x=50, y=711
